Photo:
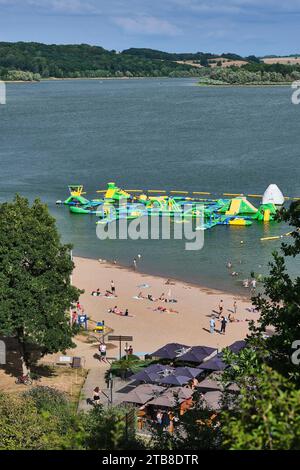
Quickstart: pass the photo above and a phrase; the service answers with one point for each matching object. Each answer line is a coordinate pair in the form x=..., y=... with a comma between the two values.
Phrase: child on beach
x=231, y=318
x=74, y=317
x=212, y=325
x=221, y=307
x=96, y=293
x=112, y=288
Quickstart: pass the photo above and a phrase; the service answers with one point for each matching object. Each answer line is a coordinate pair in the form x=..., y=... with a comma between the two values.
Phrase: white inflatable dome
x=273, y=195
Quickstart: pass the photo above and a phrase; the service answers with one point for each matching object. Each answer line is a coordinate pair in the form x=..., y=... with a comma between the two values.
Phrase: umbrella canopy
x=171, y=351
x=142, y=394
x=175, y=380
x=237, y=346
x=233, y=388
x=190, y=372
x=171, y=397
x=215, y=363
x=213, y=400
x=197, y=354
x=150, y=373
x=209, y=384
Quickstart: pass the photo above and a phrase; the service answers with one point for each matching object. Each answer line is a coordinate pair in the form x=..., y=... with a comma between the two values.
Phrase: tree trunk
x=24, y=357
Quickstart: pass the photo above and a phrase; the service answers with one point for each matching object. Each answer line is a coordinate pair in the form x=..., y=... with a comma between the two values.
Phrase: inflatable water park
x=228, y=209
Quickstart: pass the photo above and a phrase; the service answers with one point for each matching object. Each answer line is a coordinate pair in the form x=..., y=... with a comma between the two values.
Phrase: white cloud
x=236, y=6
x=72, y=7
x=147, y=25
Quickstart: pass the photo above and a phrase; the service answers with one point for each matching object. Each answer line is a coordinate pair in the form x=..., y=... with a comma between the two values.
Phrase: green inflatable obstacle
x=114, y=193
x=265, y=213
x=238, y=206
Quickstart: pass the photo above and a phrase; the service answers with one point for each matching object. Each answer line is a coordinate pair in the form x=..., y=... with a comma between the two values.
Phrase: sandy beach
x=149, y=327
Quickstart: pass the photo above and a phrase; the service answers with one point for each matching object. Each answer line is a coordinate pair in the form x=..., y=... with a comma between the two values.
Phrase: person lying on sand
x=119, y=312
x=96, y=293
x=151, y=298
x=115, y=310
x=169, y=282
x=165, y=310
x=109, y=294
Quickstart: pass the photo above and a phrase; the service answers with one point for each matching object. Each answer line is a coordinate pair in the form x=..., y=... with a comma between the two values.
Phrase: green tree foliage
x=31, y=61
x=25, y=426
x=55, y=404
x=35, y=289
x=253, y=73
x=280, y=303
x=106, y=429
x=127, y=366
x=267, y=416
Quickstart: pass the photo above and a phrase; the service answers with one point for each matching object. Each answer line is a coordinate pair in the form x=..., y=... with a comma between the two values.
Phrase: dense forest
x=34, y=61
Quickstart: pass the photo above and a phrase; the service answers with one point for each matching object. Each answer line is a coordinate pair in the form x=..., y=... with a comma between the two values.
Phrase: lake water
x=153, y=134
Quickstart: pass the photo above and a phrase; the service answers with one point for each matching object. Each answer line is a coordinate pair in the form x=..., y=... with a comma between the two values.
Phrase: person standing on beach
x=134, y=264
x=102, y=350
x=221, y=307
x=223, y=325
x=112, y=287
x=212, y=325
x=234, y=307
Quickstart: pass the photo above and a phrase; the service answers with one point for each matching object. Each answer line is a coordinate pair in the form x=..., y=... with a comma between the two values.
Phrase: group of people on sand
x=108, y=293
x=161, y=298
x=222, y=318
x=223, y=323
x=76, y=312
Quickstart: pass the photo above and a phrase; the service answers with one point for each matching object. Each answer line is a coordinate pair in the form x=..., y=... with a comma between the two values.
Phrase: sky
x=245, y=27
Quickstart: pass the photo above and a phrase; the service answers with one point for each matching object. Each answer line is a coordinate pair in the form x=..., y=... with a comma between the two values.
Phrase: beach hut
x=171, y=351
x=215, y=363
x=197, y=354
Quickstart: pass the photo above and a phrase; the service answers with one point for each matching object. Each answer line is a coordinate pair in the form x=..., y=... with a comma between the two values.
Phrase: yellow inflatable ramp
x=234, y=207
x=267, y=215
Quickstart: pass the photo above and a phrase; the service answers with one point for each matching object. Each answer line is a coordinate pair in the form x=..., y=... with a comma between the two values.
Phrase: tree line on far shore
x=30, y=61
